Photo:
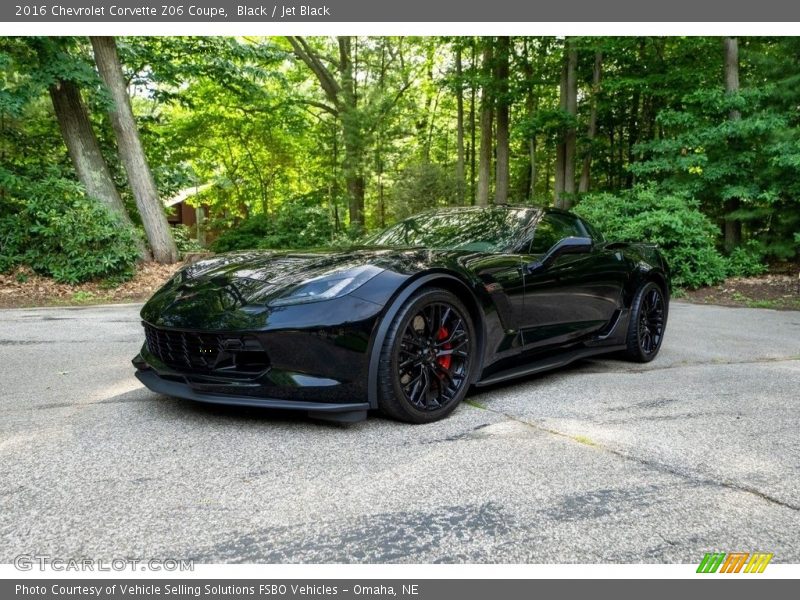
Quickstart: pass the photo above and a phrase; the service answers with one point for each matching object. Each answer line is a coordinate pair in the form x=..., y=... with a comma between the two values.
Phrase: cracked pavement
x=604, y=461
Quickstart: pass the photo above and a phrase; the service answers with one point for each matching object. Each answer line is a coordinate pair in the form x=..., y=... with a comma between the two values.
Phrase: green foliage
x=250, y=233
x=278, y=161
x=182, y=234
x=752, y=161
x=59, y=232
x=421, y=186
x=746, y=260
x=82, y=297
x=302, y=223
x=46, y=220
x=674, y=222
x=549, y=122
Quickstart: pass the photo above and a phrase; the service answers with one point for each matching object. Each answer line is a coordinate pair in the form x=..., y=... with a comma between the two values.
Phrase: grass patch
x=582, y=439
x=762, y=303
x=82, y=297
x=88, y=297
x=475, y=404
x=740, y=297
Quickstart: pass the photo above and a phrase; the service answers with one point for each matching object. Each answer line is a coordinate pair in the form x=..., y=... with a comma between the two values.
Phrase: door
x=502, y=277
x=577, y=294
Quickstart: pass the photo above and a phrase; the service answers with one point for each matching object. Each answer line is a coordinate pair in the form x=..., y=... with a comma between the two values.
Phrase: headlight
x=327, y=287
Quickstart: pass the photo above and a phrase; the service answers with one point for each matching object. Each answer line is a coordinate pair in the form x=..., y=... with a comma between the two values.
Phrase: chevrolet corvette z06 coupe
x=406, y=322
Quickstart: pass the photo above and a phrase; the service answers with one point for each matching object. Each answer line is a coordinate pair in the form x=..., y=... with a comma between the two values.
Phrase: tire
x=427, y=358
x=647, y=323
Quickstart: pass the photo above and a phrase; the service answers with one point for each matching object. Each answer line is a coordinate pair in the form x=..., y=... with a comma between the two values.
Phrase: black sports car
x=407, y=322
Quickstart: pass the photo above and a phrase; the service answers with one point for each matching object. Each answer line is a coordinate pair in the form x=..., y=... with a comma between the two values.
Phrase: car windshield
x=489, y=230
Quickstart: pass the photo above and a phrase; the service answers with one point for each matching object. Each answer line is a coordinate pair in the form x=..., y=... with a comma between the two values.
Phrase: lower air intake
x=223, y=354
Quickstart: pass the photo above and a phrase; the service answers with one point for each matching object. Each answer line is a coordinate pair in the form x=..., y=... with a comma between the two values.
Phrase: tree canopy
x=300, y=142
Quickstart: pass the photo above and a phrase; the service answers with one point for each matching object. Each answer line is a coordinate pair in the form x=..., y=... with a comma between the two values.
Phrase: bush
x=745, y=261
x=295, y=224
x=674, y=222
x=182, y=234
x=250, y=233
x=421, y=186
x=59, y=232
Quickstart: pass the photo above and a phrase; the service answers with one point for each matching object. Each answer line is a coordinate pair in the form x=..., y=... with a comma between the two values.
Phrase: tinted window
x=490, y=230
x=597, y=237
x=552, y=228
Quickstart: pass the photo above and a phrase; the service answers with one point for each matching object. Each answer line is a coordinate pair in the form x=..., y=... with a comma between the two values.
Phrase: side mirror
x=569, y=245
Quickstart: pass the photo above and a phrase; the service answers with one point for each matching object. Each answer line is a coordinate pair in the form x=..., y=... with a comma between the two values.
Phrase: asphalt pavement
x=604, y=461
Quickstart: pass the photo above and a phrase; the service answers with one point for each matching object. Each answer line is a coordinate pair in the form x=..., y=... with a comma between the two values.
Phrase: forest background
x=288, y=142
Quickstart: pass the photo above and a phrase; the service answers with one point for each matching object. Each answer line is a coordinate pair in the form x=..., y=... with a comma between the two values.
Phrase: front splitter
x=329, y=411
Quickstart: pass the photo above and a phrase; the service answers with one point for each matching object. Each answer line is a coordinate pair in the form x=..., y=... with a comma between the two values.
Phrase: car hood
x=273, y=270
x=229, y=289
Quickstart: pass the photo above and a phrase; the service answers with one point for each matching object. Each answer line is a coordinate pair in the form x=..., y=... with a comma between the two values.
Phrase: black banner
x=406, y=11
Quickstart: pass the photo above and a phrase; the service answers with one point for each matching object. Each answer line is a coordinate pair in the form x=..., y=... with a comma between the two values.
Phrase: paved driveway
x=601, y=462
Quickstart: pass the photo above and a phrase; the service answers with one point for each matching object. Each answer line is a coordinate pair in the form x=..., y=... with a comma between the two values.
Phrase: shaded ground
x=780, y=291
x=23, y=288
x=606, y=461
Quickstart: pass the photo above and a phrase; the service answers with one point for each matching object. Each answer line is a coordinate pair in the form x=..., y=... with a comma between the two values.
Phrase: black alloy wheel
x=427, y=358
x=647, y=324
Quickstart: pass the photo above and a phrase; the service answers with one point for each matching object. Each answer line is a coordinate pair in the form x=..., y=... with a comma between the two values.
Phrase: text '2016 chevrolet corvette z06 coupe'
x=406, y=322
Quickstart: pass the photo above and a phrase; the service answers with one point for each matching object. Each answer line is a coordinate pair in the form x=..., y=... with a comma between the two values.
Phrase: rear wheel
x=427, y=358
x=647, y=323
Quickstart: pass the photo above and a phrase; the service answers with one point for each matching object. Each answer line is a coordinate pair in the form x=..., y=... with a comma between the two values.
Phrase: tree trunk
x=485, y=161
x=378, y=147
x=733, y=227
x=547, y=164
x=501, y=77
x=583, y=187
x=428, y=116
x=353, y=142
x=353, y=176
x=732, y=72
x=335, y=177
x=84, y=151
x=571, y=137
x=633, y=136
x=132, y=154
x=472, y=132
x=459, y=127
x=381, y=199
x=431, y=125
x=532, y=171
x=530, y=111
x=558, y=187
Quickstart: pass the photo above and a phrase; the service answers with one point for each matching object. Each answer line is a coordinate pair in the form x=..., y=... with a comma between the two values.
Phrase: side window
x=597, y=237
x=552, y=228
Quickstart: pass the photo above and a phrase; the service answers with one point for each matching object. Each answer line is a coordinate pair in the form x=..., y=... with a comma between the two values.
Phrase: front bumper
x=309, y=358
x=341, y=412
x=317, y=354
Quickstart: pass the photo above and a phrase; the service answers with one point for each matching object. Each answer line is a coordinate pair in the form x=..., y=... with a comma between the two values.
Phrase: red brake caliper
x=444, y=361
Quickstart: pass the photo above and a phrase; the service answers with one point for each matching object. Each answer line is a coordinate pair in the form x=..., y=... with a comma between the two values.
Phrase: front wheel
x=647, y=323
x=427, y=358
